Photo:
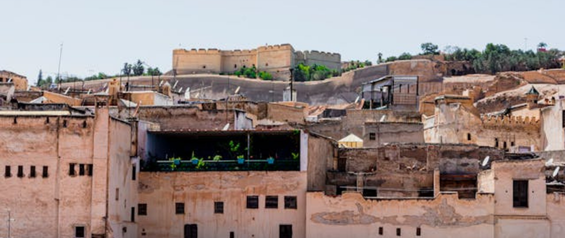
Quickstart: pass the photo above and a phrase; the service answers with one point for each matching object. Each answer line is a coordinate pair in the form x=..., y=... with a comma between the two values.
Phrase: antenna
x=555, y=172
x=549, y=162
x=485, y=161
x=236, y=90
x=383, y=118
x=226, y=127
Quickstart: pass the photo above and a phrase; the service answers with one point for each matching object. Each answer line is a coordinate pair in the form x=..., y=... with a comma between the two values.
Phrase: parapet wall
x=510, y=121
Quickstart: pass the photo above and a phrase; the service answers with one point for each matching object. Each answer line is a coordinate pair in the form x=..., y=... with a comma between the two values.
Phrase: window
x=418, y=231
x=218, y=207
x=142, y=209
x=290, y=202
x=563, y=119
x=72, y=169
x=81, y=170
x=496, y=142
x=372, y=136
x=252, y=202
x=90, y=169
x=398, y=232
x=190, y=231
x=468, y=136
x=117, y=194
x=235, y=66
x=79, y=232
x=381, y=230
x=133, y=173
x=45, y=173
x=272, y=202
x=512, y=143
x=285, y=231
x=203, y=66
x=369, y=192
x=132, y=214
x=179, y=208
x=520, y=193
x=8, y=171
x=504, y=144
x=232, y=234
x=32, y=171
x=64, y=123
x=20, y=171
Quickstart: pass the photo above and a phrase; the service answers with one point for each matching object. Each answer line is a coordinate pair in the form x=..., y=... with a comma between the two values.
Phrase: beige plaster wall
x=552, y=131
x=199, y=190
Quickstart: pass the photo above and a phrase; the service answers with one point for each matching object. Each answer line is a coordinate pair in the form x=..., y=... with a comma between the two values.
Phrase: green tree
x=127, y=69
x=405, y=56
x=48, y=81
x=265, y=75
x=40, y=81
x=138, y=68
x=429, y=49
x=380, y=59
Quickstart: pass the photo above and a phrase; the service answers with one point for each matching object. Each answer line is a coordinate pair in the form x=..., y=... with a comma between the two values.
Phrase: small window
x=285, y=231
x=504, y=145
x=133, y=173
x=79, y=232
x=142, y=209
x=179, y=208
x=369, y=192
x=132, y=214
x=418, y=231
x=496, y=142
x=81, y=170
x=203, y=66
x=218, y=207
x=512, y=143
x=290, y=202
x=117, y=194
x=8, y=171
x=45, y=172
x=468, y=136
x=15, y=120
x=64, y=123
x=232, y=234
x=32, y=171
x=191, y=231
x=235, y=66
x=381, y=231
x=252, y=202
x=520, y=193
x=272, y=202
x=20, y=171
x=398, y=232
x=372, y=136
x=90, y=169
x=72, y=171
x=84, y=124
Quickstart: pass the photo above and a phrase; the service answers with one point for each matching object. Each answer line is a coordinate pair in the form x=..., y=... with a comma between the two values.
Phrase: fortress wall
x=197, y=61
x=331, y=60
x=234, y=60
x=275, y=58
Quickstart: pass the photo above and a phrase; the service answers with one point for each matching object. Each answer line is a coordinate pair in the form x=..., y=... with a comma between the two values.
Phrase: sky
x=101, y=35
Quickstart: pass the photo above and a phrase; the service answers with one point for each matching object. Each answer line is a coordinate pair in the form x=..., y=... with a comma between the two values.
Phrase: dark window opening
x=235, y=66
x=32, y=171
x=15, y=120
x=418, y=231
x=72, y=171
x=381, y=230
x=520, y=193
x=81, y=169
x=372, y=136
x=8, y=171
x=272, y=202
x=232, y=234
x=132, y=218
x=218, y=207
x=285, y=231
x=190, y=231
x=512, y=143
x=339, y=190
x=47, y=121
x=203, y=66
x=468, y=136
x=341, y=164
x=369, y=192
x=142, y=209
x=496, y=142
x=398, y=232
x=252, y=202
x=45, y=172
x=64, y=123
x=90, y=169
x=563, y=119
x=133, y=173
x=426, y=192
x=20, y=171
x=84, y=124
x=179, y=208
x=290, y=202
x=504, y=145
x=79, y=232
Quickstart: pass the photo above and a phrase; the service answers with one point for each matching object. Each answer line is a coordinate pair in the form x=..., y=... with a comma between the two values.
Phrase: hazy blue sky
x=99, y=36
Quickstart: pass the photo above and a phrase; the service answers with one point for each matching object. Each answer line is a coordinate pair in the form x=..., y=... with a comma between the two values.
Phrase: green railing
x=224, y=165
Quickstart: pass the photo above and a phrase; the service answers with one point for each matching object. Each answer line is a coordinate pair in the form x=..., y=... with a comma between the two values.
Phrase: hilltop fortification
x=275, y=59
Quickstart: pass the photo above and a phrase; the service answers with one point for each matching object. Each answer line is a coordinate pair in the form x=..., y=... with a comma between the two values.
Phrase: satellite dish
x=555, y=172
x=180, y=90
x=67, y=91
x=549, y=162
x=10, y=80
x=226, y=127
x=174, y=86
x=383, y=118
x=187, y=89
x=357, y=99
x=89, y=91
x=237, y=90
x=485, y=161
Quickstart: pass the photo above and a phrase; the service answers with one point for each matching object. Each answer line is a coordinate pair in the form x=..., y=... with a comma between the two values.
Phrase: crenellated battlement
x=314, y=53
x=517, y=121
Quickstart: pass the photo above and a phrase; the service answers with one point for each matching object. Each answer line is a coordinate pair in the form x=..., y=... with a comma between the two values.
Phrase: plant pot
x=270, y=161
x=194, y=161
x=240, y=160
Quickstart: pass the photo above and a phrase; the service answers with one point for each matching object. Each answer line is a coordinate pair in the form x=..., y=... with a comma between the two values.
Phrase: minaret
x=532, y=97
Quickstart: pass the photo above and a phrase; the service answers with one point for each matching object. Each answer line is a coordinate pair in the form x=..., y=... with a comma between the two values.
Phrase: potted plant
x=270, y=160
x=240, y=159
x=194, y=159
